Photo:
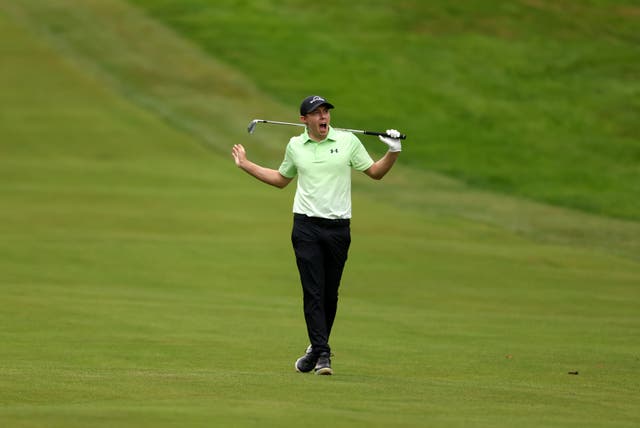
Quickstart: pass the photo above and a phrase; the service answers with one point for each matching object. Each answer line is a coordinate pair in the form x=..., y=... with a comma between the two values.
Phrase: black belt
x=322, y=221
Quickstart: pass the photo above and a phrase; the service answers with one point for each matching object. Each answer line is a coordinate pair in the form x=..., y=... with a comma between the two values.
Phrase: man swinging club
x=322, y=157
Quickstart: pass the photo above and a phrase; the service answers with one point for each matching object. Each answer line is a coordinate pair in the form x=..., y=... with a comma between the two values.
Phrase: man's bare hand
x=239, y=154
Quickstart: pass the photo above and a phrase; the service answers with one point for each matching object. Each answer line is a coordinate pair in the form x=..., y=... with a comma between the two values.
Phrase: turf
x=147, y=282
x=533, y=98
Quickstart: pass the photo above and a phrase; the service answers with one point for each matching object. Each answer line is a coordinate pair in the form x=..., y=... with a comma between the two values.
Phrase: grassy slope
x=194, y=93
x=127, y=299
x=532, y=98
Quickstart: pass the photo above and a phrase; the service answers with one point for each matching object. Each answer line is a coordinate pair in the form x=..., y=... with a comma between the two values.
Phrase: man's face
x=317, y=123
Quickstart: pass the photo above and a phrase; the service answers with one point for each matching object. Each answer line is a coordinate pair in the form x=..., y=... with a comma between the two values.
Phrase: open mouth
x=324, y=126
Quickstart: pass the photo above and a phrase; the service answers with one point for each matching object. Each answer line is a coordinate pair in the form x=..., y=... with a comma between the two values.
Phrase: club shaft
x=358, y=131
x=275, y=122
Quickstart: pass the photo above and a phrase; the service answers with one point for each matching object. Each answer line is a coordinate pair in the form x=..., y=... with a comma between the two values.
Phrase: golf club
x=254, y=123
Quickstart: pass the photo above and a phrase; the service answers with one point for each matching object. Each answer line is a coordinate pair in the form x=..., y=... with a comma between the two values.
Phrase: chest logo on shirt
x=334, y=150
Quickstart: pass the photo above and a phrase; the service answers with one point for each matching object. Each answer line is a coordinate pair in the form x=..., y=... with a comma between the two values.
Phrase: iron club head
x=252, y=126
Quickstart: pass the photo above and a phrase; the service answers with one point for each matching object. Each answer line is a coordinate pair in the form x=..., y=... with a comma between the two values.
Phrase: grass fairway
x=145, y=281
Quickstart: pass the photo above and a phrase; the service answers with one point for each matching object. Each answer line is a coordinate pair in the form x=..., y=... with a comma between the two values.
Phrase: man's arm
x=266, y=175
x=380, y=168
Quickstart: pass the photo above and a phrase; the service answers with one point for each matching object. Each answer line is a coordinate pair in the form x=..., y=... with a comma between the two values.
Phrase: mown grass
x=148, y=282
x=532, y=98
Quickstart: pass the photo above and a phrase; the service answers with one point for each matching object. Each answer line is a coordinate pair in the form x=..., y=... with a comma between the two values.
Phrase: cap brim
x=329, y=105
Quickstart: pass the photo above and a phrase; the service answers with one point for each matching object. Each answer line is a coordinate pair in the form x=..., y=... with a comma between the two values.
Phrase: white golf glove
x=393, y=140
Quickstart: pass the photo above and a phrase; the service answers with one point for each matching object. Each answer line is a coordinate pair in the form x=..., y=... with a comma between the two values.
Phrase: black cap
x=311, y=103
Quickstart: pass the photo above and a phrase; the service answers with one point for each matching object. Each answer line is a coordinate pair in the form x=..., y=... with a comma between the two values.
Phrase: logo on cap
x=312, y=102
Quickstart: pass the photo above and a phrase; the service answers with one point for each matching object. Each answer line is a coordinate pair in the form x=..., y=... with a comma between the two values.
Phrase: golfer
x=322, y=158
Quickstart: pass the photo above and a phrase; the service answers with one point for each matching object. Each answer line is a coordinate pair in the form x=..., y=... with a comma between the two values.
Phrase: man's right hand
x=239, y=154
x=266, y=175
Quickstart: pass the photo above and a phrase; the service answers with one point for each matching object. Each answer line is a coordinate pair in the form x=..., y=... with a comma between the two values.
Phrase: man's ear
x=303, y=119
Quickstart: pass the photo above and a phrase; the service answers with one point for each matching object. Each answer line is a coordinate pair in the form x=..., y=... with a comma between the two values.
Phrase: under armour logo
x=334, y=150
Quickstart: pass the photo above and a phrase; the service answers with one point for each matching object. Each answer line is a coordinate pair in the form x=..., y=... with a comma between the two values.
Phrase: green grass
x=533, y=98
x=145, y=281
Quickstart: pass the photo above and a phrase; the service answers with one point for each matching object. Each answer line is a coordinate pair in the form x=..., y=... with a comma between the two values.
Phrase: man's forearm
x=380, y=168
x=266, y=175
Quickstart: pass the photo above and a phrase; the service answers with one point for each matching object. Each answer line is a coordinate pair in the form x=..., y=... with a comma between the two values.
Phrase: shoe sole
x=325, y=371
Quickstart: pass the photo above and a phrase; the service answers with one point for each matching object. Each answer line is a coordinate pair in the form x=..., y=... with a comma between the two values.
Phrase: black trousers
x=321, y=247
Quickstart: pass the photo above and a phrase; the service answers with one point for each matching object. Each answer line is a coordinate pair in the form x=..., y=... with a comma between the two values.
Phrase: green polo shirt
x=324, y=172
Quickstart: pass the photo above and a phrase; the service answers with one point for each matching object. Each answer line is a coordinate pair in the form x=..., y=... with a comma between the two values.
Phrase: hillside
x=195, y=93
x=537, y=99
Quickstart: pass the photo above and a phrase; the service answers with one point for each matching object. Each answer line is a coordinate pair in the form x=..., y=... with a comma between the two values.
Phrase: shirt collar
x=331, y=136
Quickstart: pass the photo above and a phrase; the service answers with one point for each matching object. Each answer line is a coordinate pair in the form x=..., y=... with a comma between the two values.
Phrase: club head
x=252, y=126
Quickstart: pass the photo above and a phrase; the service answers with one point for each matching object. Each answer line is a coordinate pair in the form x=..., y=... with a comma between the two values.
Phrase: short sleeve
x=287, y=167
x=360, y=158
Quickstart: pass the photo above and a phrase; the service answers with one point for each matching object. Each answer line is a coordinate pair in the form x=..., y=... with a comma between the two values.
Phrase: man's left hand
x=393, y=140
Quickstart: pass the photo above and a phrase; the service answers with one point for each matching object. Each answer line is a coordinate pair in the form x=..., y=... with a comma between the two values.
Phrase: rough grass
x=533, y=98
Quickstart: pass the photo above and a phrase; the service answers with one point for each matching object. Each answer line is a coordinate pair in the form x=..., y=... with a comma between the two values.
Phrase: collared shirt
x=324, y=172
